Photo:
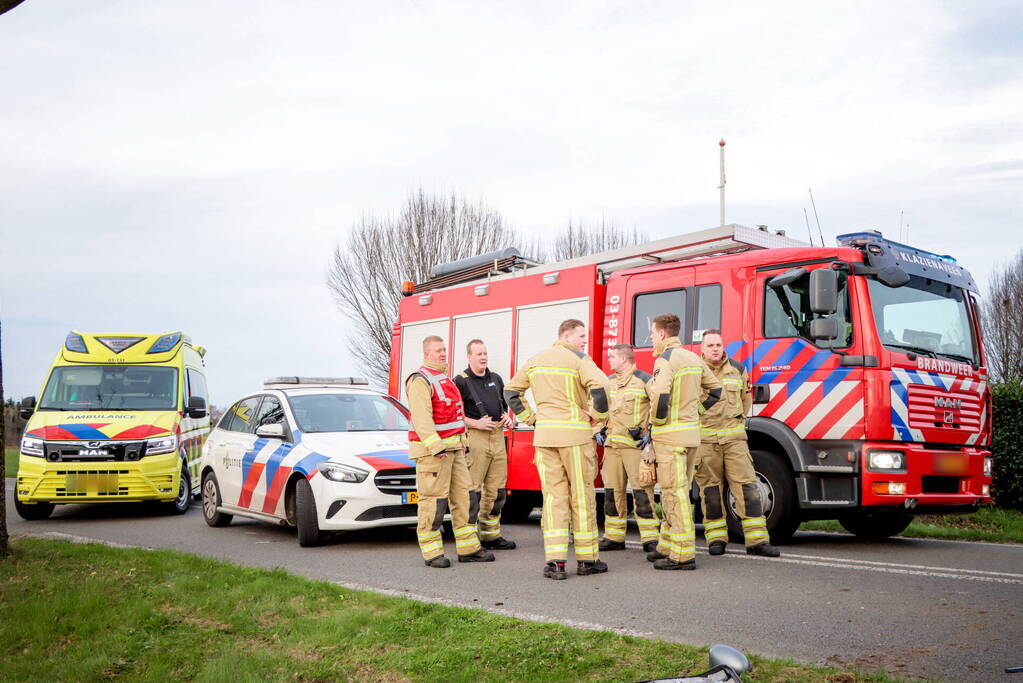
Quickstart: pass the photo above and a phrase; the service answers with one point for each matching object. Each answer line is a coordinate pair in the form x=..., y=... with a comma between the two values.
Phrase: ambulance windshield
x=111, y=387
x=926, y=317
x=347, y=413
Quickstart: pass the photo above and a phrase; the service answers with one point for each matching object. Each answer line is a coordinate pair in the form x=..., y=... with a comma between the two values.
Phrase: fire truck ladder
x=727, y=239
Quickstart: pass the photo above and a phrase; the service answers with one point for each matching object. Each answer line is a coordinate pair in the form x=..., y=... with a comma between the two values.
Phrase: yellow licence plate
x=950, y=463
x=410, y=497
x=91, y=483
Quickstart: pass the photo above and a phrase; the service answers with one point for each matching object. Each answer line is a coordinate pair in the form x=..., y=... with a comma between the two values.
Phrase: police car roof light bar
x=292, y=380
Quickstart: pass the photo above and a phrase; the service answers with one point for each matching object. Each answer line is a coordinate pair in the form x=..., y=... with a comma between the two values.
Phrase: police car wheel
x=211, y=501
x=33, y=511
x=179, y=505
x=309, y=533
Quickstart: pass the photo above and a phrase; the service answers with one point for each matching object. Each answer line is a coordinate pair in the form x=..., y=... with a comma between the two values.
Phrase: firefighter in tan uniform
x=436, y=444
x=623, y=439
x=486, y=417
x=724, y=457
x=681, y=379
x=564, y=381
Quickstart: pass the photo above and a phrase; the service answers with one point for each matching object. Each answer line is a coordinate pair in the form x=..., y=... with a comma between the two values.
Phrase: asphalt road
x=915, y=608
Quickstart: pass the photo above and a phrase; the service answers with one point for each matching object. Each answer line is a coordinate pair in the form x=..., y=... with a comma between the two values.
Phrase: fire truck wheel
x=211, y=501
x=518, y=507
x=33, y=511
x=874, y=526
x=778, y=496
x=309, y=533
x=180, y=504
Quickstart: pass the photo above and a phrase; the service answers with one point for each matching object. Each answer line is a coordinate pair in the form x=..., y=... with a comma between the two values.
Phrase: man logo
x=943, y=402
x=949, y=417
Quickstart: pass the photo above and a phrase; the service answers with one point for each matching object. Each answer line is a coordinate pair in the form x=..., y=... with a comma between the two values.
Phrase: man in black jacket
x=486, y=417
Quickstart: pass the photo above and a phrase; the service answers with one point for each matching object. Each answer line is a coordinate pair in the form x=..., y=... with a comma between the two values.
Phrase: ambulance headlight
x=988, y=466
x=337, y=472
x=886, y=461
x=163, y=444
x=31, y=446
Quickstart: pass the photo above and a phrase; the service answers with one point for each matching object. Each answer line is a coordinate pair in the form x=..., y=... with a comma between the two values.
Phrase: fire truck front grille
x=396, y=482
x=934, y=408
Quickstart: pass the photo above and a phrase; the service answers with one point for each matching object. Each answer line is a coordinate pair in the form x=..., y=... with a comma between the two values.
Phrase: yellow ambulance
x=121, y=417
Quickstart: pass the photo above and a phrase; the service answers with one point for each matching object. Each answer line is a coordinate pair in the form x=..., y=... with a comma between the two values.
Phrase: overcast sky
x=190, y=165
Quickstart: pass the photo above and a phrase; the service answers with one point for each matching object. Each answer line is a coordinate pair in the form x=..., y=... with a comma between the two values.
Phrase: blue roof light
x=165, y=343
x=74, y=342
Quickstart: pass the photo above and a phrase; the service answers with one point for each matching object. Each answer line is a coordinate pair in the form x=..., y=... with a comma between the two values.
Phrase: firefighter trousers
x=488, y=468
x=569, y=500
x=677, y=539
x=443, y=483
x=621, y=468
x=729, y=463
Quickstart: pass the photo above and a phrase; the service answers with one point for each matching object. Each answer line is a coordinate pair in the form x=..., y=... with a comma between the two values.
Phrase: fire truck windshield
x=924, y=316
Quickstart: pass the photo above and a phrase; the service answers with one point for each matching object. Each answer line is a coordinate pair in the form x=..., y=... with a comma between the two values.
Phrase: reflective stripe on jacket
x=681, y=389
x=437, y=418
x=726, y=420
x=630, y=407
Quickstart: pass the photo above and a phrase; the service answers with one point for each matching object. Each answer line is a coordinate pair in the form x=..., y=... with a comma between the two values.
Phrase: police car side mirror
x=824, y=291
x=28, y=406
x=271, y=431
x=723, y=655
x=196, y=407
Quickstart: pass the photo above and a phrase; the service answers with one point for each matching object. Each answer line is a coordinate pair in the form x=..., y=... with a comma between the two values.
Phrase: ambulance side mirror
x=28, y=406
x=196, y=407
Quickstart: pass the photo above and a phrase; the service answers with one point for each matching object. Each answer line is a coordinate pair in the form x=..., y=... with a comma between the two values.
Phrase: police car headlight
x=31, y=446
x=338, y=472
x=886, y=460
x=988, y=466
x=163, y=444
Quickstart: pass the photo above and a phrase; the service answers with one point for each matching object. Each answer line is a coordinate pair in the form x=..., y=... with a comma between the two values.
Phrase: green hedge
x=1007, y=444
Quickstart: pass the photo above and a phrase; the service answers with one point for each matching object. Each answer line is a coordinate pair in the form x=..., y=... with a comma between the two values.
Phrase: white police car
x=319, y=454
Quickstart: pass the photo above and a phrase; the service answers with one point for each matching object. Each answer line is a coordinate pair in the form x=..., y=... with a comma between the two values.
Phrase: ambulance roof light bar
x=292, y=382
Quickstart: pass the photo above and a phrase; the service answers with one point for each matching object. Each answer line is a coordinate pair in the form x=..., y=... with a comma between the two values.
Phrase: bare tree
x=367, y=270
x=579, y=239
x=1002, y=320
x=5, y=548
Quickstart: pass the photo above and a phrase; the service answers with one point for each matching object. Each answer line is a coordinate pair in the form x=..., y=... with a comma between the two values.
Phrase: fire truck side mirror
x=786, y=278
x=824, y=329
x=28, y=406
x=824, y=291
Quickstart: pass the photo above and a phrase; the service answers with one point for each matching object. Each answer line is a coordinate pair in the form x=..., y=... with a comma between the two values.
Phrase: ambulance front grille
x=94, y=451
x=396, y=482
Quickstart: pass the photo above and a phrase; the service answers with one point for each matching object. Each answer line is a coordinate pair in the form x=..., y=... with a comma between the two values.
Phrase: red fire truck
x=870, y=397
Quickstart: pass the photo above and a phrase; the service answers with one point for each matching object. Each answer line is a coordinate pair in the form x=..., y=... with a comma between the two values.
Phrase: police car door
x=235, y=445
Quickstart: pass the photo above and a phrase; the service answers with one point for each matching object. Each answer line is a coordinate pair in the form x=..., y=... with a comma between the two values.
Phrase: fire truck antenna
x=808, y=230
x=721, y=187
x=815, y=216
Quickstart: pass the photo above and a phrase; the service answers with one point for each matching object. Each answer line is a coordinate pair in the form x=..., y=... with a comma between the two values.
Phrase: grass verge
x=10, y=462
x=988, y=523
x=90, y=612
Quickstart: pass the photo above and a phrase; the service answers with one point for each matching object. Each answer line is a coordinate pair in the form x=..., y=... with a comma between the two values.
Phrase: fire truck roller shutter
x=412, y=335
x=495, y=329
x=538, y=329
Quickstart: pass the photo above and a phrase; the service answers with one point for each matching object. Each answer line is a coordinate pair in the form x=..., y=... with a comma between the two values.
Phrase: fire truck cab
x=870, y=396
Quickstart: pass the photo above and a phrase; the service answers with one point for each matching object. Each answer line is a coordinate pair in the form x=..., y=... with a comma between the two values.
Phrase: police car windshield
x=924, y=316
x=347, y=413
x=111, y=387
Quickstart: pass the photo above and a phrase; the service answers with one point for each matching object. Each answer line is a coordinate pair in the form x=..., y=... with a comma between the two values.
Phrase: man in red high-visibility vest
x=436, y=444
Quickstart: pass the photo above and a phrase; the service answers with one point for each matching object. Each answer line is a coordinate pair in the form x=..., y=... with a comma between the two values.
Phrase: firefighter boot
x=555, y=570
x=716, y=548
x=499, y=543
x=654, y=555
x=668, y=563
x=586, y=568
x=764, y=549
x=650, y=546
x=480, y=555
x=439, y=562
x=608, y=544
